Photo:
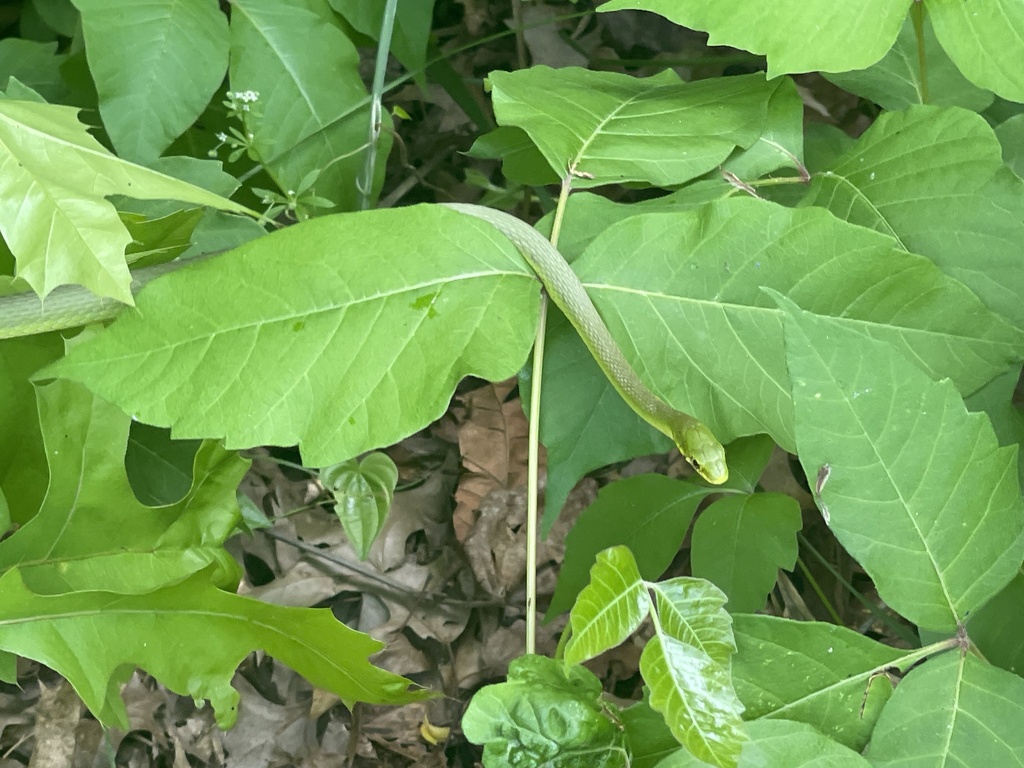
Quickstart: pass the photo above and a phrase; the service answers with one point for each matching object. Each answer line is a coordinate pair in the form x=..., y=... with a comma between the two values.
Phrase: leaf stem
x=533, y=472
x=387, y=29
x=818, y=591
x=917, y=16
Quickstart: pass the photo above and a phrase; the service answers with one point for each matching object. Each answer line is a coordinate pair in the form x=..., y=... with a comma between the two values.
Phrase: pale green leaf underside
x=933, y=179
x=952, y=711
x=682, y=293
x=156, y=65
x=816, y=673
x=112, y=633
x=795, y=35
x=313, y=110
x=919, y=491
x=604, y=127
x=696, y=697
x=610, y=608
x=340, y=334
x=53, y=215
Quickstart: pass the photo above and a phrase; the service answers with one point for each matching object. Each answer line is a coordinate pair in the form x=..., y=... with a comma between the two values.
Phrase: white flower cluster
x=245, y=97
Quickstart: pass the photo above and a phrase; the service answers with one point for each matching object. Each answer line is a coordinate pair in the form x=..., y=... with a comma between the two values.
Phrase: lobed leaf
x=191, y=637
x=57, y=224
x=918, y=490
x=342, y=334
x=92, y=534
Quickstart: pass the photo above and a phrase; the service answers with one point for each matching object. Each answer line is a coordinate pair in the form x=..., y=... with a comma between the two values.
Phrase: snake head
x=705, y=454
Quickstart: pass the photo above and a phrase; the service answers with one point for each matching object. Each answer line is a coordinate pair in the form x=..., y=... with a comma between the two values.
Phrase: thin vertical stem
x=917, y=16
x=387, y=29
x=517, y=23
x=533, y=473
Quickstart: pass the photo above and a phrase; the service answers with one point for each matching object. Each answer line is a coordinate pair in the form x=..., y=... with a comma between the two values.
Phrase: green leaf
x=795, y=35
x=544, y=715
x=953, y=710
x=692, y=611
x=155, y=241
x=92, y=534
x=23, y=474
x=54, y=216
x=60, y=15
x=587, y=123
x=191, y=637
x=363, y=491
x=521, y=161
x=649, y=514
x=36, y=65
x=156, y=66
x=1011, y=136
x=313, y=110
x=748, y=458
x=158, y=468
x=412, y=26
x=996, y=627
x=682, y=294
x=740, y=542
x=781, y=144
x=986, y=43
x=933, y=180
x=820, y=674
x=938, y=531
x=695, y=695
x=610, y=608
x=647, y=736
x=895, y=82
x=364, y=325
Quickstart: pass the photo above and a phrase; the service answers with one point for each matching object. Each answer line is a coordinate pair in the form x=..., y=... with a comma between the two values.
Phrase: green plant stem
x=387, y=29
x=533, y=472
x=917, y=17
x=818, y=590
x=517, y=25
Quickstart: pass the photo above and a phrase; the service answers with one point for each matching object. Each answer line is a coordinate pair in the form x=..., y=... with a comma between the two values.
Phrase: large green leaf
x=795, y=35
x=1011, y=136
x=156, y=65
x=741, y=542
x=92, y=534
x=604, y=127
x=610, y=608
x=895, y=82
x=692, y=610
x=191, y=637
x=312, y=109
x=694, y=693
x=933, y=179
x=37, y=65
x=827, y=676
x=986, y=42
x=53, y=214
x=954, y=710
x=682, y=294
x=341, y=334
x=544, y=715
x=649, y=514
x=918, y=489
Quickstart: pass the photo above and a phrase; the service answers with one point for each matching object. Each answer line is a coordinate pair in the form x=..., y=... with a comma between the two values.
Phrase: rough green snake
x=70, y=306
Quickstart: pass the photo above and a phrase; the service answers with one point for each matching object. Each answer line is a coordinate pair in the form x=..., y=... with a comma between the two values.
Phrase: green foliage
x=849, y=293
x=362, y=492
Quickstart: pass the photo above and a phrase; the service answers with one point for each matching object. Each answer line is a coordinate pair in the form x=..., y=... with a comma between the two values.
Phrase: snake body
x=71, y=306
x=692, y=437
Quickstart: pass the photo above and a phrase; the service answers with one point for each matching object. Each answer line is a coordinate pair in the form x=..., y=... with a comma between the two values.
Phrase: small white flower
x=222, y=136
